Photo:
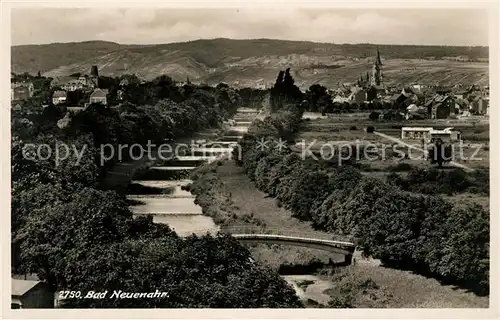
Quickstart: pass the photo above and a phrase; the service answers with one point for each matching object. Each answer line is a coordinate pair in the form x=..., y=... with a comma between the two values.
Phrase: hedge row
x=211, y=194
x=413, y=231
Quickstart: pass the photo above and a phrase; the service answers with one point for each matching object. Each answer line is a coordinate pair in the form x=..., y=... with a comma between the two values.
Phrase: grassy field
x=368, y=286
x=255, y=208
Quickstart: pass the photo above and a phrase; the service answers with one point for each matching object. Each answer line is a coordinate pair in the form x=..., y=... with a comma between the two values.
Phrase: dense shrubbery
x=77, y=236
x=420, y=232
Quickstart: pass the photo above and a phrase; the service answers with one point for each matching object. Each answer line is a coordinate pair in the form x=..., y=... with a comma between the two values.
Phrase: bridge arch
x=309, y=241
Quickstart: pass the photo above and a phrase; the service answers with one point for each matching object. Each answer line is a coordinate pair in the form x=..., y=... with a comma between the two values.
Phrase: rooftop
x=20, y=287
x=417, y=129
x=59, y=94
x=99, y=93
x=429, y=129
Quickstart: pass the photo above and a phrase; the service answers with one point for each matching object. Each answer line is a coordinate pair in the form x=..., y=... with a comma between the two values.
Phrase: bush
x=401, y=167
x=370, y=129
x=374, y=115
x=431, y=181
x=349, y=287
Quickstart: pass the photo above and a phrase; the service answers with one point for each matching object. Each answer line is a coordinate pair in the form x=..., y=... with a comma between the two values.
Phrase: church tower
x=376, y=78
x=94, y=76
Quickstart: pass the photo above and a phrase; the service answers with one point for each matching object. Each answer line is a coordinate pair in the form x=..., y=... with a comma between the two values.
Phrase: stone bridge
x=312, y=240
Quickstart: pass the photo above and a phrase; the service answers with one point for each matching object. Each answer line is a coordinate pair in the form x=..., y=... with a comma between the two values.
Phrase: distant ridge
x=255, y=62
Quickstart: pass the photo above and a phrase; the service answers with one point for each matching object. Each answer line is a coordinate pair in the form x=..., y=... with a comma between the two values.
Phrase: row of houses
x=414, y=104
x=416, y=100
x=79, y=82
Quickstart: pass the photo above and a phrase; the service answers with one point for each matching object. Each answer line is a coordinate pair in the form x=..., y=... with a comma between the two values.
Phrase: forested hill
x=256, y=62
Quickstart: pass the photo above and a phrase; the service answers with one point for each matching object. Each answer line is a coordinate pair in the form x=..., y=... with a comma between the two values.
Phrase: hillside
x=256, y=62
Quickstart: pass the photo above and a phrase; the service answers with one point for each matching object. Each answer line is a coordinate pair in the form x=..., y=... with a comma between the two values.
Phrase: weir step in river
x=158, y=191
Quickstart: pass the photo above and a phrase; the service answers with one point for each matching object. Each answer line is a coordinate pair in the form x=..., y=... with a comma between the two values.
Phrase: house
x=99, y=96
x=440, y=106
x=415, y=113
x=429, y=134
x=31, y=294
x=416, y=133
x=60, y=81
x=401, y=101
x=479, y=105
x=440, y=111
x=86, y=82
x=59, y=96
x=375, y=92
x=447, y=134
x=460, y=94
x=72, y=85
x=417, y=88
x=21, y=90
x=358, y=96
x=124, y=83
x=407, y=92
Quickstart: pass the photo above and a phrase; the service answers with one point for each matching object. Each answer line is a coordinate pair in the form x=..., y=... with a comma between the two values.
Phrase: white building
x=429, y=134
x=58, y=97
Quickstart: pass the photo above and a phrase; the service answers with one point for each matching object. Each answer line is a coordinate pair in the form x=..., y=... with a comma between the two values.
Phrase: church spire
x=376, y=71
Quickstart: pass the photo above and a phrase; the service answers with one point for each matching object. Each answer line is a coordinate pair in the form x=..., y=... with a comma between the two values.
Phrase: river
x=164, y=198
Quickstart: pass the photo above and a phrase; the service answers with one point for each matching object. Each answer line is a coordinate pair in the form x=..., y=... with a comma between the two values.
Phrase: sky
x=152, y=26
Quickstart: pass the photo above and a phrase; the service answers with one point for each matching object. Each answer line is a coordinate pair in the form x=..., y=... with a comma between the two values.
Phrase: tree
x=89, y=218
x=285, y=91
x=311, y=190
x=318, y=98
x=439, y=152
x=189, y=270
x=465, y=253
